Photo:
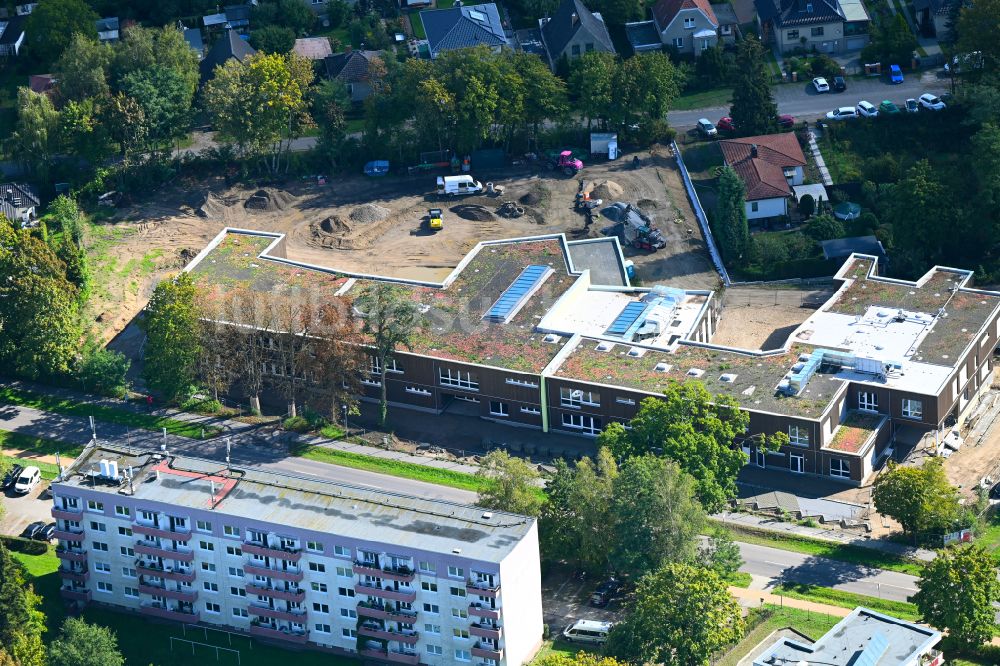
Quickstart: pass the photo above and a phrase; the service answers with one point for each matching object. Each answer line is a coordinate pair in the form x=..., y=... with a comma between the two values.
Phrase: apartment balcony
x=391, y=655
x=71, y=555
x=146, y=548
x=408, y=637
x=486, y=631
x=75, y=595
x=486, y=651
x=286, y=595
x=149, y=530
x=392, y=595
x=384, y=613
x=484, y=612
x=175, y=614
x=402, y=574
x=66, y=514
x=294, y=575
x=253, y=548
x=265, y=611
x=75, y=576
x=68, y=535
x=189, y=596
x=148, y=569
x=277, y=634
x=482, y=588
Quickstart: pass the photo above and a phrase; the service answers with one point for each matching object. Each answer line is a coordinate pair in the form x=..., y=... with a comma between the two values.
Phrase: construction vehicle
x=435, y=219
x=458, y=185
x=633, y=227
x=566, y=163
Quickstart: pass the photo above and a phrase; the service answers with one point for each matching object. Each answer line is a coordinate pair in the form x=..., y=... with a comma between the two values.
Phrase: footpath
x=755, y=598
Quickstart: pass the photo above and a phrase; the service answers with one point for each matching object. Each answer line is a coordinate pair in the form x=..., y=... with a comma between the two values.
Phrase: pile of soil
x=608, y=190
x=335, y=225
x=530, y=199
x=269, y=200
x=648, y=204
x=474, y=213
x=209, y=206
x=368, y=213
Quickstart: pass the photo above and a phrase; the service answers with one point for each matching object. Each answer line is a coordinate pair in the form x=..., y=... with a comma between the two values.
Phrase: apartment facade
x=381, y=576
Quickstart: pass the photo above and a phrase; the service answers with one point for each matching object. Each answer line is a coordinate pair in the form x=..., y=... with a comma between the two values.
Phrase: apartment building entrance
x=463, y=405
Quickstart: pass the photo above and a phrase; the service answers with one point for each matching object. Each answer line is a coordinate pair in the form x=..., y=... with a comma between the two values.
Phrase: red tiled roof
x=665, y=11
x=763, y=175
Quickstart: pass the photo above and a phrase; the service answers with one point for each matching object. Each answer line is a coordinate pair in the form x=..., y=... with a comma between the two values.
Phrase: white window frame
x=503, y=407
x=589, y=425
x=868, y=401
x=678, y=42
x=798, y=435
x=912, y=408
x=521, y=382
x=530, y=409
x=839, y=470
x=689, y=23
x=454, y=377
x=799, y=458
x=577, y=398
x=417, y=390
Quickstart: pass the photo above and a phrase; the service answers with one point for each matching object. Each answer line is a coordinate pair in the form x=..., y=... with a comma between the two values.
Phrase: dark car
x=45, y=534
x=995, y=492
x=605, y=592
x=10, y=478
x=33, y=529
x=839, y=84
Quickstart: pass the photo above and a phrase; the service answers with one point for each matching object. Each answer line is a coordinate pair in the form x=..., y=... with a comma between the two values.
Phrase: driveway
x=565, y=598
x=22, y=510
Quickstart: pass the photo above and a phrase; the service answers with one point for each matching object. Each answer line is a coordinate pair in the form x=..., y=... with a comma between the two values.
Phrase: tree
x=65, y=214
x=579, y=659
x=247, y=348
x=35, y=140
x=50, y=27
x=508, y=484
x=721, y=554
x=731, y=218
x=172, y=341
x=103, y=371
x=753, y=110
x=977, y=31
x=618, y=12
x=986, y=160
x=83, y=69
x=142, y=49
x=83, y=644
x=273, y=39
x=390, y=322
x=825, y=227
x=329, y=100
x=645, y=86
x=592, y=81
x=163, y=94
x=657, y=518
x=545, y=95
x=712, y=69
x=957, y=591
x=21, y=622
x=294, y=15
x=807, y=205
x=892, y=42
x=82, y=133
x=681, y=616
x=920, y=499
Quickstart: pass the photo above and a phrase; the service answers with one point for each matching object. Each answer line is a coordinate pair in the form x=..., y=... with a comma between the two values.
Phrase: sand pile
x=269, y=200
x=474, y=213
x=368, y=213
x=530, y=199
x=335, y=225
x=608, y=190
x=209, y=206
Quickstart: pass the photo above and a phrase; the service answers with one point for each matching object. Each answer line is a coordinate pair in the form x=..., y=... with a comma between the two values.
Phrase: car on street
x=725, y=124
x=45, y=534
x=888, y=107
x=932, y=102
x=786, y=121
x=820, y=84
x=912, y=106
x=32, y=530
x=839, y=84
x=604, y=593
x=10, y=478
x=30, y=477
x=895, y=74
x=706, y=128
x=843, y=113
x=588, y=631
x=867, y=109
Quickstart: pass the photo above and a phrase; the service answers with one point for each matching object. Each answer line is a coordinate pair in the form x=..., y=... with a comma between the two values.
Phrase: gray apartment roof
x=305, y=503
x=863, y=637
x=193, y=37
x=602, y=257
x=462, y=27
x=570, y=19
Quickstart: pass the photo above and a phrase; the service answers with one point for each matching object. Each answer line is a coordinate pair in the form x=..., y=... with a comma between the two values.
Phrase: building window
x=122, y=511
x=530, y=409
x=913, y=409
x=240, y=612
x=456, y=572
x=435, y=650
x=349, y=633
x=210, y=587
x=460, y=633
x=206, y=545
x=798, y=435
x=868, y=401
x=230, y=530
x=416, y=390
x=460, y=613
x=105, y=587
x=345, y=592
x=588, y=424
x=94, y=505
x=101, y=546
x=102, y=567
x=208, y=566
x=457, y=592
x=434, y=609
x=840, y=467
x=125, y=531
x=432, y=628
x=625, y=401
x=428, y=586
x=234, y=550
x=498, y=408
x=322, y=628
x=817, y=32
x=203, y=526
x=375, y=367
x=575, y=50
x=679, y=42
x=98, y=527
x=132, y=592
x=340, y=551
x=793, y=34
x=318, y=587
x=127, y=551
x=576, y=398
x=236, y=572
x=688, y=23
x=148, y=516
x=316, y=566
x=213, y=608
x=345, y=572
x=425, y=567
x=463, y=655
x=459, y=378
x=521, y=382
x=754, y=207
x=349, y=613
x=129, y=572
x=321, y=608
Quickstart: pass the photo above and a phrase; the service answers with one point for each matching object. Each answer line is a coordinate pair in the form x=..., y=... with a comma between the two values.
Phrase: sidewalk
x=824, y=172
x=754, y=598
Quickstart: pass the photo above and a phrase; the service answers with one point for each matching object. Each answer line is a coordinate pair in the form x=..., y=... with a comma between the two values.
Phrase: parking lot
x=22, y=510
x=565, y=599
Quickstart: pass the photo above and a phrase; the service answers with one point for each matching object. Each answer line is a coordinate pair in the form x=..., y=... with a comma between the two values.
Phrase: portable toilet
x=630, y=268
x=613, y=149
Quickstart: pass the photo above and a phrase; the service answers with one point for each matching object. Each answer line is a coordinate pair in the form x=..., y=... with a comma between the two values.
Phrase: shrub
x=297, y=424
x=202, y=405
x=26, y=546
x=823, y=65
x=882, y=169
x=103, y=371
x=807, y=205
x=825, y=227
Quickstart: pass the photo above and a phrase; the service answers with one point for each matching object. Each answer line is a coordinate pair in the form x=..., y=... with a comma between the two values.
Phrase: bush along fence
x=699, y=212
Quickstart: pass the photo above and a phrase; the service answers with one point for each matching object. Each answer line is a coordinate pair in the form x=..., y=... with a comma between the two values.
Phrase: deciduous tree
x=35, y=140
x=273, y=39
x=721, y=554
x=103, y=371
x=731, y=218
x=82, y=644
x=508, y=484
x=920, y=499
x=172, y=340
x=753, y=110
x=592, y=79
x=579, y=659
x=958, y=590
x=82, y=69
x=21, y=622
x=50, y=27
x=294, y=15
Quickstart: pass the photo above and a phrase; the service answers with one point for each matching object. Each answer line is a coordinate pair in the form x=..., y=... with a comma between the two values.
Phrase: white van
x=28, y=480
x=457, y=185
x=587, y=631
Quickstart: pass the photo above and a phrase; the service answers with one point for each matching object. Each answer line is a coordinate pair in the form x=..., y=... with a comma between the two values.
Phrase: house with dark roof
x=360, y=71
x=768, y=166
x=932, y=15
x=463, y=27
x=230, y=46
x=18, y=202
x=12, y=35
x=828, y=26
x=572, y=31
x=108, y=29
x=193, y=37
x=236, y=17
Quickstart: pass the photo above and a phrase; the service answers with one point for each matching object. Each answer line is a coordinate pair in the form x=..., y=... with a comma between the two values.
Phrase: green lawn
x=354, y=125
x=825, y=595
x=834, y=551
x=702, y=99
x=989, y=536
x=811, y=624
x=38, y=445
x=417, y=26
x=124, y=417
x=556, y=647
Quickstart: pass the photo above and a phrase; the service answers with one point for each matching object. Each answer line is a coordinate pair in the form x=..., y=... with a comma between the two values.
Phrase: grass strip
x=48, y=470
x=703, y=99
x=834, y=551
x=809, y=623
x=740, y=579
x=12, y=396
x=38, y=445
x=826, y=595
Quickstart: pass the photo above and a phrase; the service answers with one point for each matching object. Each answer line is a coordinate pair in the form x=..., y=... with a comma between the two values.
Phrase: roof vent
x=695, y=372
x=636, y=352
x=662, y=367
x=753, y=150
x=456, y=550
x=551, y=338
x=487, y=515
x=728, y=378
x=604, y=346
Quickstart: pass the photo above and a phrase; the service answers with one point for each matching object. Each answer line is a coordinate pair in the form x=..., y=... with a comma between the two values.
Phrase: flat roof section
x=602, y=257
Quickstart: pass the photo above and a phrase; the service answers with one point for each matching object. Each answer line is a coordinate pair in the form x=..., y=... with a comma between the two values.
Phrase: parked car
x=867, y=109
x=29, y=478
x=895, y=74
x=725, y=125
x=932, y=102
x=912, y=106
x=972, y=60
x=839, y=84
x=587, y=631
x=706, y=128
x=786, y=121
x=887, y=107
x=10, y=478
x=605, y=592
x=31, y=531
x=45, y=534
x=820, y=84
x=995, y=492
x=843, y=113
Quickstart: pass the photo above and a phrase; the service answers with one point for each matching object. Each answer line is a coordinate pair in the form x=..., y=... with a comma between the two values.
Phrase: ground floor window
x=588, y=424
x=840, y=467
x=498, y=408
x=913, y=409
x=797, y=462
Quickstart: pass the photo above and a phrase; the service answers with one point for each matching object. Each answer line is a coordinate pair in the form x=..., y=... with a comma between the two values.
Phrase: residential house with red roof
x=768, y=166
x=690, y=26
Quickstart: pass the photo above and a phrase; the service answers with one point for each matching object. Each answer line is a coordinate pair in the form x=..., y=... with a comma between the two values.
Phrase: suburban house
x=463, y=27
x=382, y=577
x=865, y=637
x=360, y=71
x=312, y=48
x=828, y=26
x=768, y=166
x=25, y=9
x=932, y=15
x=193, y=37
x=572, y=31
x=230, y=46
x=108, y=30
x=18, y=202
x=12, y=35
x=42, y=83
x=235, y=17
x=689, y=26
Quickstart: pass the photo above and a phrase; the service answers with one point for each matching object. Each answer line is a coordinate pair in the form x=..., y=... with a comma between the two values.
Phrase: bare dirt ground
x=763, y=318
x=377, y=226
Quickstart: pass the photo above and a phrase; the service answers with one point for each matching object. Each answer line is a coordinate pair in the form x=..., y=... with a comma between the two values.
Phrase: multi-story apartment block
x=386, y=577
x=548, y=334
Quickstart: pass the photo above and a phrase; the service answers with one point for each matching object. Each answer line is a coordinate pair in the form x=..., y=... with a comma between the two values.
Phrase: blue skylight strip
x=517, y=293
x=624, y=321
x=876, y=648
